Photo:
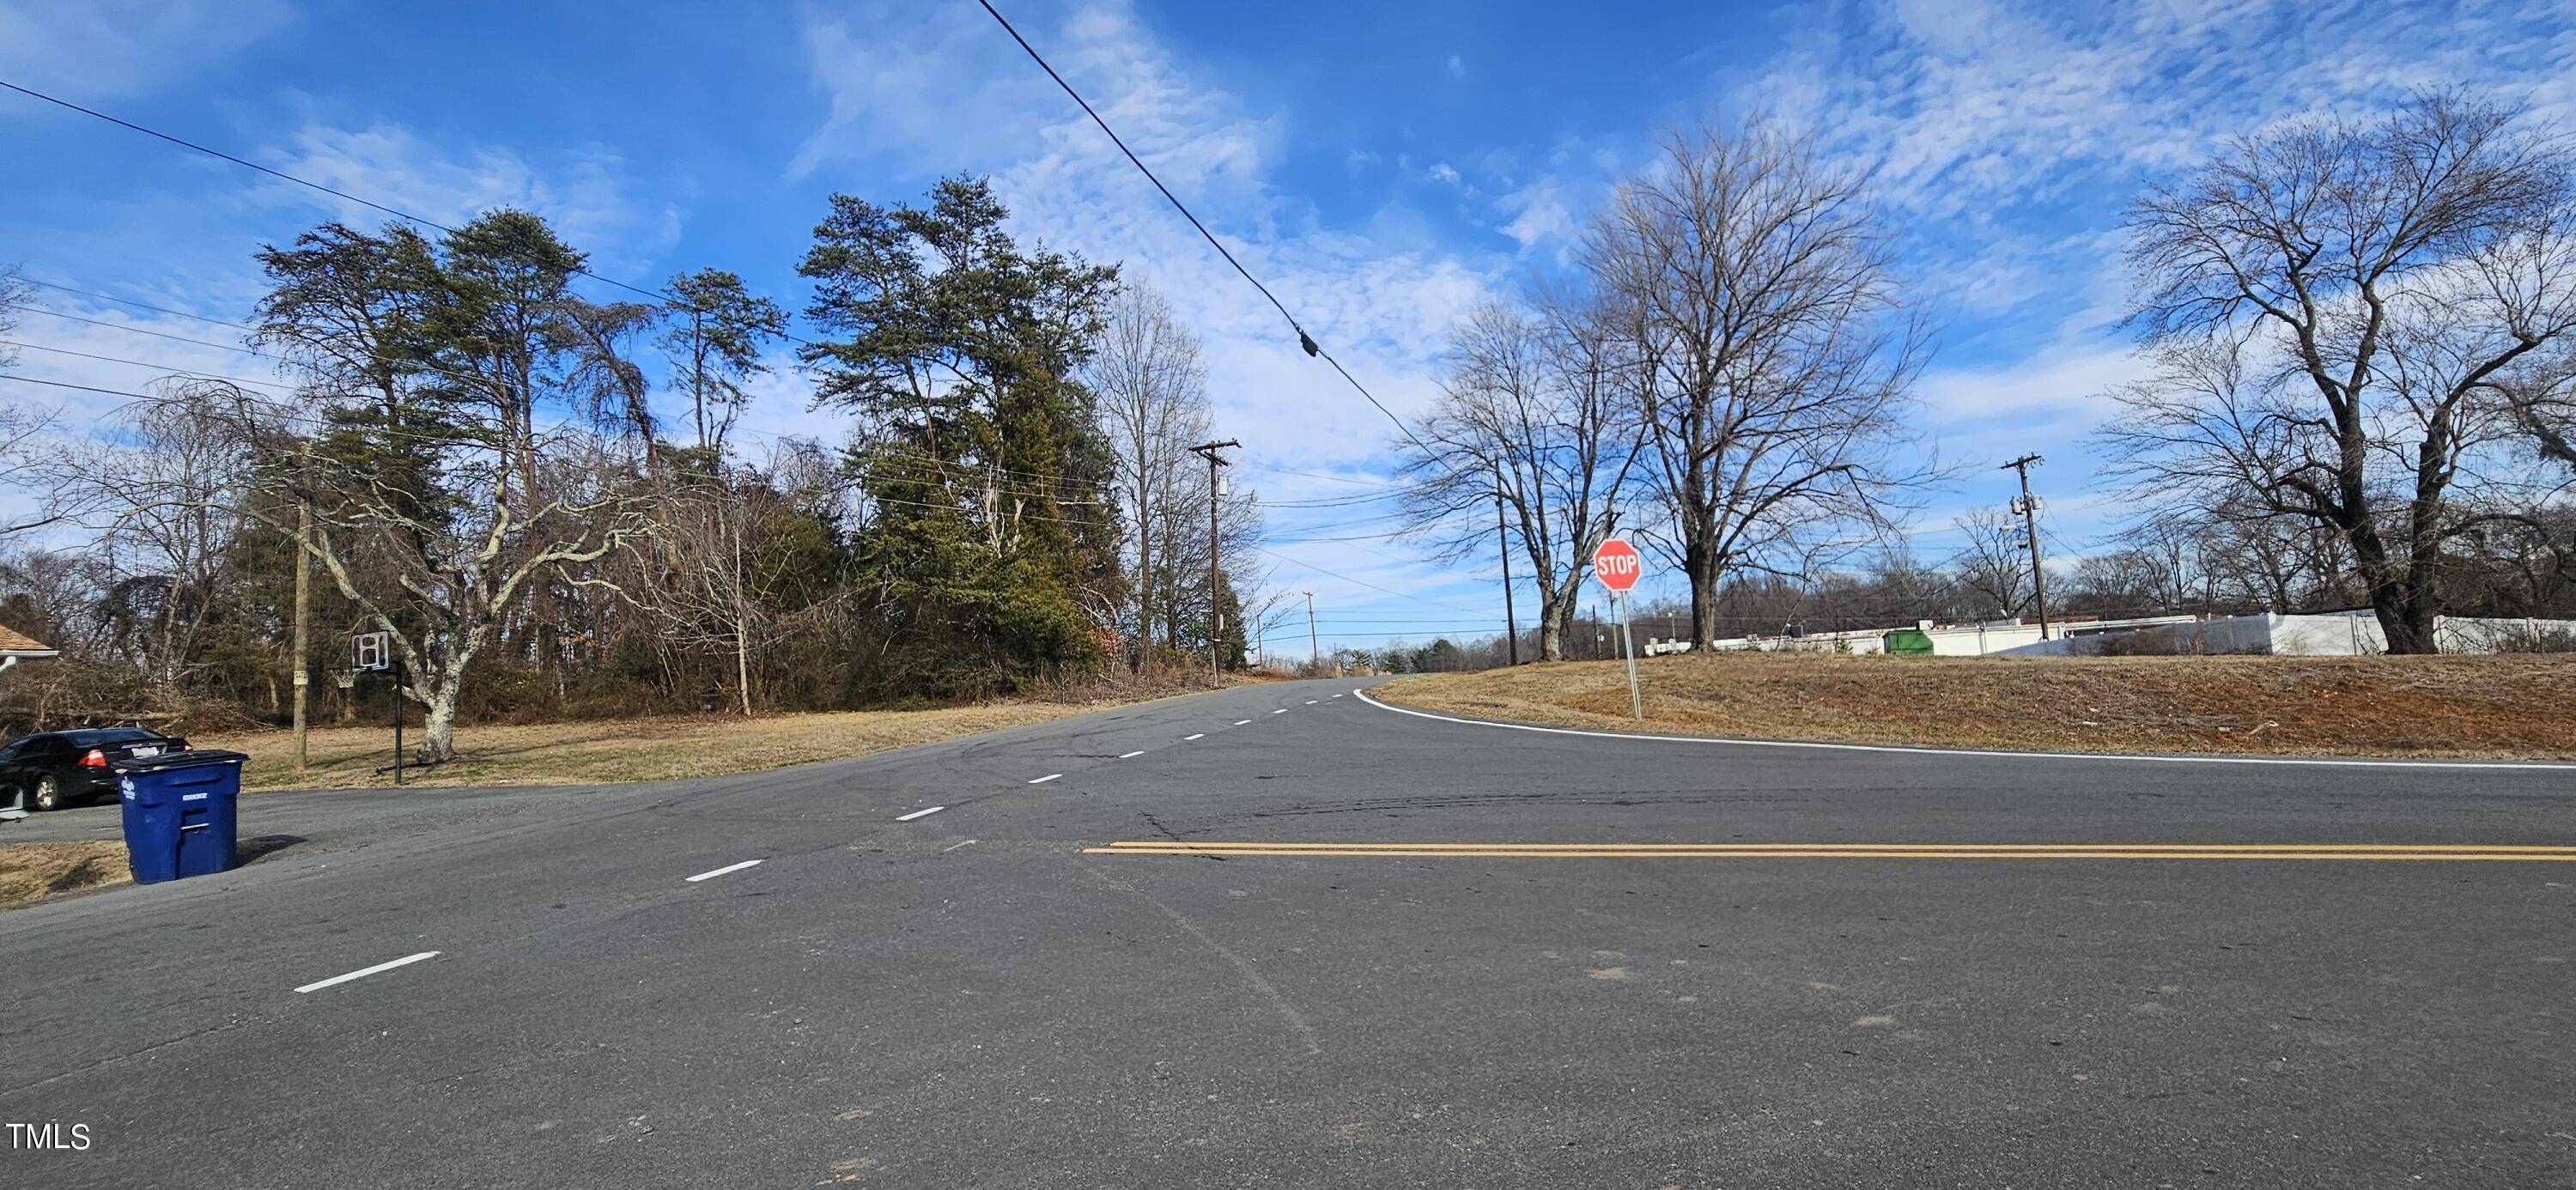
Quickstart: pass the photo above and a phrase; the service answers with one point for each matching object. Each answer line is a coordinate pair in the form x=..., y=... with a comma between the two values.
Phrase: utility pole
x=1314, y=643
x=1216, y=612
x=2028, y=507
x=303, y=601
x=1503, y=545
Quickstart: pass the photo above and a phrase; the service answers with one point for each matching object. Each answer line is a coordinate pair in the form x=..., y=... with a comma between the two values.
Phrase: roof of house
x=14, y=643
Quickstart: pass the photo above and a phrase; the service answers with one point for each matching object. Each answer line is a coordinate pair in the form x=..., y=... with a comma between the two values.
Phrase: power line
x=1329, y=501
x=282, y=175
x=1278, y=470
x=1362, y=582
x=1304, y=340
x=964, y=469
x=118, y=326
x=109, y=297
x=175, y=371
x=1132, y=159
x=16, y=379
x=283, y=415
x=974, y=469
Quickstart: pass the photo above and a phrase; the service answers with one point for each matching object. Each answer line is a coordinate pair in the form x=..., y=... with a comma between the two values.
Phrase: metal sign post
x=395, y=689
x=1618, y=565
x=373, y=652
x=1628, y=641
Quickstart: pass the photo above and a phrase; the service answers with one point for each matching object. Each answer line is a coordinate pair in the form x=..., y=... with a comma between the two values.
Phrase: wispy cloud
x=103, y=49
x=585, y=193
x=1382, y=305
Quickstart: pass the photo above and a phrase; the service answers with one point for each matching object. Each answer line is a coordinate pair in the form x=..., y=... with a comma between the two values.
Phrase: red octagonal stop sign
x=1618, y=565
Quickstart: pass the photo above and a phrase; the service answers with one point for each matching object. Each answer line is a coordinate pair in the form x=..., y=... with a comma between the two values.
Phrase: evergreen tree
x=991, y=550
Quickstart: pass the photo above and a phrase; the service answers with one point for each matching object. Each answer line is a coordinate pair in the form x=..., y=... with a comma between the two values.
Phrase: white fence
x=2332, y=634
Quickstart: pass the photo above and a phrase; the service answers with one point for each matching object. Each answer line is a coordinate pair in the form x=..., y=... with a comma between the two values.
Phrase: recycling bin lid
x=187, y=758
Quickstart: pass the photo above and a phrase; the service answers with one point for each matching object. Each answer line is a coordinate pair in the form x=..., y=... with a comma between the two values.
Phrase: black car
x=53, y=769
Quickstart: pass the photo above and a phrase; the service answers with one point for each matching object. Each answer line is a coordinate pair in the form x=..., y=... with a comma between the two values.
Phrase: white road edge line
x=364, y=972
x=749, y=863
x=1043, y=780
x=1200, y=736
x=919, y=814
x=1131, y=755
x=2528, y=766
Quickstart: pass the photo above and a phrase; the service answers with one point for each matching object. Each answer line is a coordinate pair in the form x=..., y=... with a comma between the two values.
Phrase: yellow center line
x=2429, y=852
x=2136, y=846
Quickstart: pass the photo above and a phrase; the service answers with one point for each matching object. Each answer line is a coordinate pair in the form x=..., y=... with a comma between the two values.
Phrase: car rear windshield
x=93, y=737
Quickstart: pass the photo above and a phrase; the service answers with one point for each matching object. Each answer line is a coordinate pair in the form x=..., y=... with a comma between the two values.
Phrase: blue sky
x=1382, y=166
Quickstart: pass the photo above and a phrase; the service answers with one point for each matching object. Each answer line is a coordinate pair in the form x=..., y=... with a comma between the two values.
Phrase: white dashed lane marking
x=1200, y=736
x=1131, y=755
x=749, y=863
x=1241, y=722
x=919, y=814
x=1043, y=780
x=364, y=972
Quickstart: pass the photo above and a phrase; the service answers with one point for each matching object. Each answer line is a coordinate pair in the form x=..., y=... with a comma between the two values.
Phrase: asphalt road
x=971, y=998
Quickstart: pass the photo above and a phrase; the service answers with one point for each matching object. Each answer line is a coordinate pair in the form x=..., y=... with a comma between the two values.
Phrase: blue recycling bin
x=180, y=816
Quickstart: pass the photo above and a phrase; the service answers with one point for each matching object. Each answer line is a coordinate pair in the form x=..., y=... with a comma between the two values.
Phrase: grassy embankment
x=31, y=872
x=2503, y=707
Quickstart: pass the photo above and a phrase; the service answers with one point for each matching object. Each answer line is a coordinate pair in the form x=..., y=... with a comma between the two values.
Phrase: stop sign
x=1618, y=565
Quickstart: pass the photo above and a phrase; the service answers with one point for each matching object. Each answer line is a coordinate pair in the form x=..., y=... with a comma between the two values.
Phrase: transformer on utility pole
x=1216, y=609
x=1503, y=545
x=2028, y=507
x=1314, y=643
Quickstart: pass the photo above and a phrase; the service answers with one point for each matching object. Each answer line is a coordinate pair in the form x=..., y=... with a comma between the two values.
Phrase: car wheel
x=49, y=796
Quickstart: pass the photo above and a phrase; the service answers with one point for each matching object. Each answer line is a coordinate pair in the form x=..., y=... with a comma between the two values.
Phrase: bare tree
x=1774, y=354
x=1994, y=563
x=169, y=495
x=445, y=504
x=2338, y=313
x=14, y=291
x=1534, y=418
x=1181, y=550
x=700, y=571
x=25, y=430
x=1152, y=393
x=443, y=586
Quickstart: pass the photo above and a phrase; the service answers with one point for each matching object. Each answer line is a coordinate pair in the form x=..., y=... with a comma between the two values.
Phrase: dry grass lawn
x=646, y=749
x=2502, y=707
x=31, y=872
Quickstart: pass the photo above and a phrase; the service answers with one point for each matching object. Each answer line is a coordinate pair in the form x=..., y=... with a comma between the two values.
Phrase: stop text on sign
x=1617, y=564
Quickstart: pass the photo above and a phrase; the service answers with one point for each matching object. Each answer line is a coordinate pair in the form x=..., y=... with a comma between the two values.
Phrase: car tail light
x=94, y=759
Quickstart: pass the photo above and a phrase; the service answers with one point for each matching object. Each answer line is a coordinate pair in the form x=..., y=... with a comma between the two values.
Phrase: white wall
x=2333, y=634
